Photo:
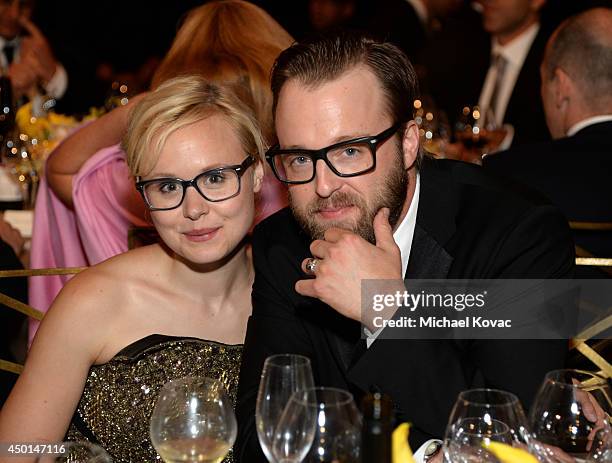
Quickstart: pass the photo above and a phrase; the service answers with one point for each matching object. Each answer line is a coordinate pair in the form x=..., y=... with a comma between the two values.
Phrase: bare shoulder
x=103, y=290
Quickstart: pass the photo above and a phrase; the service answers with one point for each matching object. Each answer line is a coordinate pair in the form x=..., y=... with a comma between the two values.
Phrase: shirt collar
x=577, y=127
x=516, y=50
x=405, y=232
x=421, y=10
x=4, y=42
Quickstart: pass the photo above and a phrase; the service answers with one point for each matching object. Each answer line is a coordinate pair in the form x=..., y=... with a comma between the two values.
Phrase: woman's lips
x=202, y=234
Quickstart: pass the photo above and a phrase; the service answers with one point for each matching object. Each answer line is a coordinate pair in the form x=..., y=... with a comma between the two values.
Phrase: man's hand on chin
x=343, y=259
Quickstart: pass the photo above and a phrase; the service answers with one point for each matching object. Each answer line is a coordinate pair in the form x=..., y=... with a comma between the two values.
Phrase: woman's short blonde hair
x=229, y=41
x=180, y=102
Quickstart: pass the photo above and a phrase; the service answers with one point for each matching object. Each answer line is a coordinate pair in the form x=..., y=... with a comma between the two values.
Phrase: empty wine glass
x=193, y=421
x=570, y=408
x=469, y=438
x=282, y=375
x=319, y=425
x=75, y=452
x=481, y=414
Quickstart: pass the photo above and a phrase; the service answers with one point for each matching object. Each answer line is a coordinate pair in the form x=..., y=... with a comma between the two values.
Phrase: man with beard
x=365, y=205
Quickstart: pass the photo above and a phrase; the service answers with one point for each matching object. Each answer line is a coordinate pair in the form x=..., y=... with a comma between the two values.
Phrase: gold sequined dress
x=119, y=396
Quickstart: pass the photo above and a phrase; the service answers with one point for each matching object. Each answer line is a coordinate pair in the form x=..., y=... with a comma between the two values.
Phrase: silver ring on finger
x=311, y=265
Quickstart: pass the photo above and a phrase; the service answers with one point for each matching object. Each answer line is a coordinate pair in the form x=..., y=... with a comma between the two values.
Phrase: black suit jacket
x=467, y=227
x=575, y=173
x=398, y=22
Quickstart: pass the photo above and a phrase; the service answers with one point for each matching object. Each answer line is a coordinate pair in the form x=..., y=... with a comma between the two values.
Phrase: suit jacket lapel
x=428, y=258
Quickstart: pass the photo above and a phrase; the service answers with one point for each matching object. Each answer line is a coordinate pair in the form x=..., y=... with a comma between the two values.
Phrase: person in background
x=494, y=66
x=25, y=54
x=27, y=59
x=365, y=205
x=574, y=170
x=329, y=14
x=121, y=329
x=410, y=24
x=91, y=204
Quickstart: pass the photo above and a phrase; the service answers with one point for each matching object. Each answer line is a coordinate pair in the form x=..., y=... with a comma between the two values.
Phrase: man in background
x=574, y=170
x=29, y=63
x=496, y=68
x=26, y=56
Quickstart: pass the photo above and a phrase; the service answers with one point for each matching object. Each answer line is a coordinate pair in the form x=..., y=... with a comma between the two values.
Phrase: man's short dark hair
x=582, y=47
x=315, y=61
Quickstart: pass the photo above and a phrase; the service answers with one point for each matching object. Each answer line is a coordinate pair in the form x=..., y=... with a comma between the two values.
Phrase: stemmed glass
x=76, y=452
x=193, y=421
x=469, y=438
x=281, y=377
x=319, y=425
x=478, y=133
x=569, y=410
x=480, y=416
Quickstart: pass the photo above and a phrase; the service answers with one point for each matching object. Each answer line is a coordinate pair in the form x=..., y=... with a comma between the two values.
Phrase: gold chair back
x=26, y=309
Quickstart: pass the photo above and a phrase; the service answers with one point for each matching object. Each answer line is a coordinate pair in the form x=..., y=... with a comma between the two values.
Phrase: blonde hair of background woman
x=229, y=41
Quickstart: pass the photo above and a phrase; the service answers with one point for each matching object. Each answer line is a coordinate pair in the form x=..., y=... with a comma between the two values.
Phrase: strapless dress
x=118, y=399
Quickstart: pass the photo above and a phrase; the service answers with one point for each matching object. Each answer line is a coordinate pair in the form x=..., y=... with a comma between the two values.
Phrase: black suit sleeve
x=272, y=329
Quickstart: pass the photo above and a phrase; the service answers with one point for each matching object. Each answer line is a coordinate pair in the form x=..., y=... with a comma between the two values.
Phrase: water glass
x=480, y=416
x=281, y=377
x=319, y=425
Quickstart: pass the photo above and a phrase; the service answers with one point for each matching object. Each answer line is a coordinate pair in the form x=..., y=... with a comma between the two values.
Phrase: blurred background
x=112, y=40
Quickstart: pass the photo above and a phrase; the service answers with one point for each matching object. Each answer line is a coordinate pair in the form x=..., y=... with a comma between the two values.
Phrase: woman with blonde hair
x=121, y=329
x=85, y=215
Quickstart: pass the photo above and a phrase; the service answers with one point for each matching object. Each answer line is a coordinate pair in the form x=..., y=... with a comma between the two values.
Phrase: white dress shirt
x=57, y=85
x=403, y=237
x=578, y=126
x=515, y=53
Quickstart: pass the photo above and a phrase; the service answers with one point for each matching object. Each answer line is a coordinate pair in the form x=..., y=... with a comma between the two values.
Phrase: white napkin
x=21, y=220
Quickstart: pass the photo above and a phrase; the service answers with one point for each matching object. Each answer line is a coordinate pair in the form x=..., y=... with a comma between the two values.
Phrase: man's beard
x=391, y=194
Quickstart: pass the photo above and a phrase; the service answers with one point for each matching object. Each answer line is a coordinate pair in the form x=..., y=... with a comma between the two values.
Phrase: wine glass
x=570, y=407
x=601, y=449
x=469, y=438
x=319, y=425
x=193, y=421
x=74, y=452
x=478, y=133
x=482, y=415
x=282, y=375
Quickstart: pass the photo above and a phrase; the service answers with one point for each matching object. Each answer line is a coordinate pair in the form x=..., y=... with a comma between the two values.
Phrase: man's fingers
x=305, y=288
x=320, y=248
x=383, y=231
x=333, y=234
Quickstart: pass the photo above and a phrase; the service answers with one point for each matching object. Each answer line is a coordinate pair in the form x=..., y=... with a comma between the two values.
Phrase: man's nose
x=326, y=181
